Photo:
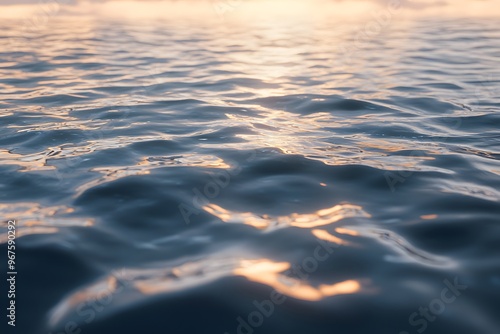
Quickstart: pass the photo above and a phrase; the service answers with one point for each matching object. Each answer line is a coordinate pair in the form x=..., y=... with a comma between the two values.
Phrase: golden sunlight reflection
x=32, y=218
x=145, y=166
x=265, y=222
x=393, y=146
x=304, y=134
x=68, y=123
x=192, y=160
x=39, y=161
x=28, y=162
x=324, y=235
x=268, y=273
x=343, y=230
x=70, y=150
x=269, y=59
x=263, y=271
x=279, y=129
x=29, y=230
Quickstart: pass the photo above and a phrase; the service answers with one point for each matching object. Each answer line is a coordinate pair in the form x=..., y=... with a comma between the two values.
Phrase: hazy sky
x=147, y=8
x=18, y=2
x=410, y=3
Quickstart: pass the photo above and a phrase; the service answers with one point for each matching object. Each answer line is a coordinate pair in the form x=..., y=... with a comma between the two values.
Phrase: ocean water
x=260, y=177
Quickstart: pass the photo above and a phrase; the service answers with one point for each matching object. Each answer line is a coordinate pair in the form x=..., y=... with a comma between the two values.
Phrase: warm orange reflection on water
x=192, y=160
x=293, y=133
x=270, y=59
x=263, y=271
x=343, y=230
x=147, y=164
x=33, y=218
x=319, y=218
x=324, y=235
x=278, y=129
x=268, y=273
x=28, y=162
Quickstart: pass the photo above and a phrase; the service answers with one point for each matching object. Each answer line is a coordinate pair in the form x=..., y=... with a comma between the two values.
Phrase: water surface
x=266, y=177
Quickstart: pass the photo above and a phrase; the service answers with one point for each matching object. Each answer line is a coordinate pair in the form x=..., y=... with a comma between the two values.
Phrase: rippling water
x=175, y=177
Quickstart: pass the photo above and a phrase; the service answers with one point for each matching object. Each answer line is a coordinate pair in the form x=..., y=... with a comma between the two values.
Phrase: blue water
x=171, y=177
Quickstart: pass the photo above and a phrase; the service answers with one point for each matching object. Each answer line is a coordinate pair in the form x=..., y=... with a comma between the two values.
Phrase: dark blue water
x=256, y=178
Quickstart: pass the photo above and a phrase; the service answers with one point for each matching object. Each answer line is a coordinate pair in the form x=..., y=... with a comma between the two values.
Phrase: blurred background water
x=255, y=175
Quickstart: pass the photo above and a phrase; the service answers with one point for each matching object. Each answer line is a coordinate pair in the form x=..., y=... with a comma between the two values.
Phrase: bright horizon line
x=358, y=9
